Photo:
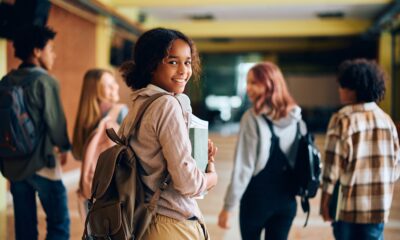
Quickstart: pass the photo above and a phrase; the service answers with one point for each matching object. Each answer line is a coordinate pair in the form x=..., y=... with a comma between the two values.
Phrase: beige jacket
x=162, y=144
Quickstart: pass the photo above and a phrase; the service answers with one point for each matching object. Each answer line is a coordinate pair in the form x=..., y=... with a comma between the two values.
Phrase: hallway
x=212, y=204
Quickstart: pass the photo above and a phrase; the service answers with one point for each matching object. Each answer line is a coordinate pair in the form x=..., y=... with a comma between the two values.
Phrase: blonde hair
x=89, y=114
x=276, y=98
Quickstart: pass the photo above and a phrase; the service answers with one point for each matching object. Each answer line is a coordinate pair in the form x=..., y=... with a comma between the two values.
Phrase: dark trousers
x=269, y=200
x=276, y=221
x=53, y=197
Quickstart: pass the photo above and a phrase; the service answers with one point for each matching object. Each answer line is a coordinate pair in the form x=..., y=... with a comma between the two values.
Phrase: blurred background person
x=361, y=153
x=39, y=172
x=261, y=179
x=98, y=110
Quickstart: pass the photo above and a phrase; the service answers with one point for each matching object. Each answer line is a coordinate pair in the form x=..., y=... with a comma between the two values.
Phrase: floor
x=212, y=203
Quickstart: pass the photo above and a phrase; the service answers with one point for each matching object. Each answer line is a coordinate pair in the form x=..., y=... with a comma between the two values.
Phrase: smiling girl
x=163, y=61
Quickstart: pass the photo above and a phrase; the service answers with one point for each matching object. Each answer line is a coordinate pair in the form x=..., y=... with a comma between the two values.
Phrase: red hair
x=276, y=98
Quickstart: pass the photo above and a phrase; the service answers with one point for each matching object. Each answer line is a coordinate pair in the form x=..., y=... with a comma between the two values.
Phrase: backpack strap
x=305, y=205
x=141, y=111
x=125, y=141
x=274, y=138
x=156, y=196
x=34, y=73
x=270, y=126
x=164, y=184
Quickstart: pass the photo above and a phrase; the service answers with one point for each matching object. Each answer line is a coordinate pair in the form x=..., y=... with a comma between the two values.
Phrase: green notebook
x=198, y=134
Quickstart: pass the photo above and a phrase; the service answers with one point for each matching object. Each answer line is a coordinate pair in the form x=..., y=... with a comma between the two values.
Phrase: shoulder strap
x=298, y=133
x=270, y=126
x=141, y=111
x=22, y=82
x=124, y=140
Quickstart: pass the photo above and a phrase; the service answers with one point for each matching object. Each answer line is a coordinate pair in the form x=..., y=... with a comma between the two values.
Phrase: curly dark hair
x=27, y=38
x=150, y=49
x=364, y=77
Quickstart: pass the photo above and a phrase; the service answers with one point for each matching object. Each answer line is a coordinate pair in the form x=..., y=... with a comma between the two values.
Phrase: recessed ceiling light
x=205, y=16
x=334, y=14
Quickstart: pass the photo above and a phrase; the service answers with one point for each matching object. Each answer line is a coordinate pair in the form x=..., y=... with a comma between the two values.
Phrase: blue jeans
x=350, y=231
x=53, y=197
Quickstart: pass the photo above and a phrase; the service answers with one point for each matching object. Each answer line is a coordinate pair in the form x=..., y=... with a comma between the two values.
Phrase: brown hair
x=276, y=97
x=89, y=114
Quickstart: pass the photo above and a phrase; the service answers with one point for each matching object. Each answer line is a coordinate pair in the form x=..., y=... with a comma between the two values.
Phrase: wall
x=314, y=90
x=3, y=182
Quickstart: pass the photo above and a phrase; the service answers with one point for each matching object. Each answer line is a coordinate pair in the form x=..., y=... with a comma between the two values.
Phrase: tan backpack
x=116, y=208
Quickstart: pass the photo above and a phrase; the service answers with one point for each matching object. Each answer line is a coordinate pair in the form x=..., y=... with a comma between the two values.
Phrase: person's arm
x=211, y=173
x=396, y=153
x=173, y=136
x=244, y=164
x=336, y=150
x=54, y=117
x=324, y=207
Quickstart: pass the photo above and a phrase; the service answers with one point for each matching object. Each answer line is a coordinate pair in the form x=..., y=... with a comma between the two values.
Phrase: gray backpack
x=117, y=209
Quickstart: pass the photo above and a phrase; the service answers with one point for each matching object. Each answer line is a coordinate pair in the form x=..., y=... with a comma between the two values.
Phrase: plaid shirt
x=362, y=151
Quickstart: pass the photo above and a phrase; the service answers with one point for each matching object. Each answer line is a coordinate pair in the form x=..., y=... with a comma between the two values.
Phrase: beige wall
x=314, y=90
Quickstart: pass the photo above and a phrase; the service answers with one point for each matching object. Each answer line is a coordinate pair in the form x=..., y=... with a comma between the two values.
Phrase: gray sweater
x=253, y=146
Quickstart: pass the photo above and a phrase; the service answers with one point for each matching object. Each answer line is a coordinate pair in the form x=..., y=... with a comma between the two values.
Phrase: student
x=42, y=172
x=164, y=61
x=362, y=153
x=98, y=109
x=261, y=179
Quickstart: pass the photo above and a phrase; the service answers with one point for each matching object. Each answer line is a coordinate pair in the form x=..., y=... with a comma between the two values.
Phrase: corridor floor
x=212, y=203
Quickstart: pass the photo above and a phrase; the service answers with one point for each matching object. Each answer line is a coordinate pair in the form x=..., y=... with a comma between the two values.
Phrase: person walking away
x=261, y=179
x=361, y=153
x=39, y=172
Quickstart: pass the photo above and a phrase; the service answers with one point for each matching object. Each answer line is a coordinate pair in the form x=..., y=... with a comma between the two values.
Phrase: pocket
x=204, y=230
x=105, y=221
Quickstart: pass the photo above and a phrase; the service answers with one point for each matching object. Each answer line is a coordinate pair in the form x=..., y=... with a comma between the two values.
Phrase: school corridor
x=308, y=39
x=212, y=203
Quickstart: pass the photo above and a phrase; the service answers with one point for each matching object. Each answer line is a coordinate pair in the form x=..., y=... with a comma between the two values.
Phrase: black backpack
x=18, y=135
x=117, y=208
x=306, y=172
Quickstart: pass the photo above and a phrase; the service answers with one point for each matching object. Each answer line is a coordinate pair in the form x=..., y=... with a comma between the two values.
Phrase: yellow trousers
x=166, y=228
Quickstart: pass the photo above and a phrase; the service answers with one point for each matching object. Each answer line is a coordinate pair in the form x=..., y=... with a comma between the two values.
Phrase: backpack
x=306, y=172
x=18, y=135
x=117, y=209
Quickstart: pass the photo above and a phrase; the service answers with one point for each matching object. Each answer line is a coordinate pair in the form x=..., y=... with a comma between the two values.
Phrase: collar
x=154, y=87
x=359, y=107
x=27, y=65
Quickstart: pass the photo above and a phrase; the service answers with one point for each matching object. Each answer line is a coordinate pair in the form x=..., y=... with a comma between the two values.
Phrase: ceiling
x=258, y=25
